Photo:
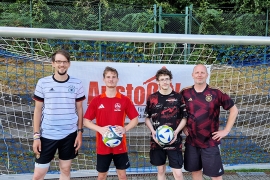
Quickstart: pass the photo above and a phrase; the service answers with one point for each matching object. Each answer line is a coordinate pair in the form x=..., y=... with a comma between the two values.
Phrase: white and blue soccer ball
x=112, y=138
x=164, y=134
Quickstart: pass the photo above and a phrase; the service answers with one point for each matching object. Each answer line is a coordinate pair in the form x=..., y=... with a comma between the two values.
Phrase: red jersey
x=110, y=111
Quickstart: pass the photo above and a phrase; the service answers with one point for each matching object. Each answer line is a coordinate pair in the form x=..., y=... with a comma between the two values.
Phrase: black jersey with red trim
x=203, y=114
x=166, y=110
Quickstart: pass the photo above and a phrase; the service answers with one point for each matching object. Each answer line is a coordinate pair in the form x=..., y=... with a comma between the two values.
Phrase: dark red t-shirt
x=203, y=114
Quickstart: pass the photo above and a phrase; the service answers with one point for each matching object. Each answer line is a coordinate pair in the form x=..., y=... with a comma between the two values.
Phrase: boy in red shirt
x=111, y=108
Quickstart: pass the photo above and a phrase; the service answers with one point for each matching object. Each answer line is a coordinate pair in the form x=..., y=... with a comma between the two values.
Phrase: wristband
x=81, y=130
x=36, y=136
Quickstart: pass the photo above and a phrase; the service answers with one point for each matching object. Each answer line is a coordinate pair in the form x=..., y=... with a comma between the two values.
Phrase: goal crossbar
x=131, y=36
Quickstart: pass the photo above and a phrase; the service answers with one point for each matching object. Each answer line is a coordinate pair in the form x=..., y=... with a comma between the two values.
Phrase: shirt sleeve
x=147, y=111
x=131, y=110
x=226, y=101
x=91, y=110
x=39, y=94
x=182, y=108
x=80, y=93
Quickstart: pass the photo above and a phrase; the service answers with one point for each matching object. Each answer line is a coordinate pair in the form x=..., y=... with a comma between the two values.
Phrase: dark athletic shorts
x=66, y=149
x=158, y=157
x=121, y=161
x=208, y=159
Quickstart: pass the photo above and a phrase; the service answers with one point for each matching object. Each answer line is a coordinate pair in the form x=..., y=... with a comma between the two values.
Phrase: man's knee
x=102, y=176
x=177, y=173
x=121, y=174
x=161, y=169
x=40, y=171
x=65, y=166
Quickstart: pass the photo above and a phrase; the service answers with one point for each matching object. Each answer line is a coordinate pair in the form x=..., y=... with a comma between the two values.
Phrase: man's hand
x=78, y=142
x=120, y=129
x=154, y=137
x=174, y=137
x=103, y=130
x=37, y=147
x=218, y=135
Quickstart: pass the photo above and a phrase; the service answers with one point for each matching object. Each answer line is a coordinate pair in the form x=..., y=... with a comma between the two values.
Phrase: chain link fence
x=78, y=17
x=130, y=18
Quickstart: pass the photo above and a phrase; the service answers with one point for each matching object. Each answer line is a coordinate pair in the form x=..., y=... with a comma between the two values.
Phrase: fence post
x=99, y=27
x=186, y=20
x=31, y=25
x=266, y=33
x=190, y=18
x=155, y=18
x=267, y=23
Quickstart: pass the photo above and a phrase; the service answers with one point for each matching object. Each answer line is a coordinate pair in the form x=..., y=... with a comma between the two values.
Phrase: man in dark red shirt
x=203, y=135
x=111, y=108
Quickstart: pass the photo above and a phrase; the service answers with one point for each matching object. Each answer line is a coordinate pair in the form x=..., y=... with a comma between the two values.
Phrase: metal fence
x=130, y=18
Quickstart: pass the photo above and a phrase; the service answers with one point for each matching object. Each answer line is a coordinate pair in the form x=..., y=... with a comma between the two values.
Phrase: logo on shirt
x=169, y=148
x=101, y=106
x=71, y=89
x=156, y=123
x=208, y=97
x=117, y=107
x=171, y=99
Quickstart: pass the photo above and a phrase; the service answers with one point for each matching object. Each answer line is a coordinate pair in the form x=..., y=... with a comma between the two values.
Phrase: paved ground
x=187, y=176
x=150, y=176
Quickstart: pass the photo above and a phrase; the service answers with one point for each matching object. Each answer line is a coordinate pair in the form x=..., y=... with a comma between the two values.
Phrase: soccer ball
x=112, y=138
x=164, y=134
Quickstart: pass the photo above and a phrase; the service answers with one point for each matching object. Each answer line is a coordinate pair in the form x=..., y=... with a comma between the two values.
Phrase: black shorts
x=158, y=158
x=120, y=161
x=208, y=159
x=66, y=149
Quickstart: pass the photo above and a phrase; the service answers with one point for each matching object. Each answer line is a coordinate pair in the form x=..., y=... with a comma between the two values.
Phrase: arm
x=128, y=127
x=79, y=108
x=231, y=120
x=89, y=124
x=150, y=126
x=78, y=141
x=181, y=125
x=131, y=124
x=36, y=126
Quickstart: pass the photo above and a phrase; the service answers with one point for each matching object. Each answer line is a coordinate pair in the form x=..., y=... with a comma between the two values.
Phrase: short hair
x=111, y=69
x=163, y=71
x=63, y=52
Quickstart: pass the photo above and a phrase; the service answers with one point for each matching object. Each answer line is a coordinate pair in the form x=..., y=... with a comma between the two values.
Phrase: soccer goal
x=239, y=65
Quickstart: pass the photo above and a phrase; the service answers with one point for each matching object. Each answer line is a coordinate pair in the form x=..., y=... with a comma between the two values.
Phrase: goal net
x=239, y=66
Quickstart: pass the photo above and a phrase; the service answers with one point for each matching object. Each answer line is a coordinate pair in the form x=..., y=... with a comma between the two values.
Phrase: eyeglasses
x=164, y=80
x=60, y=62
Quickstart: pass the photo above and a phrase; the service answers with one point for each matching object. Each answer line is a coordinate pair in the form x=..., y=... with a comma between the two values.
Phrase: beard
x=200, y=82
x=61, y=74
